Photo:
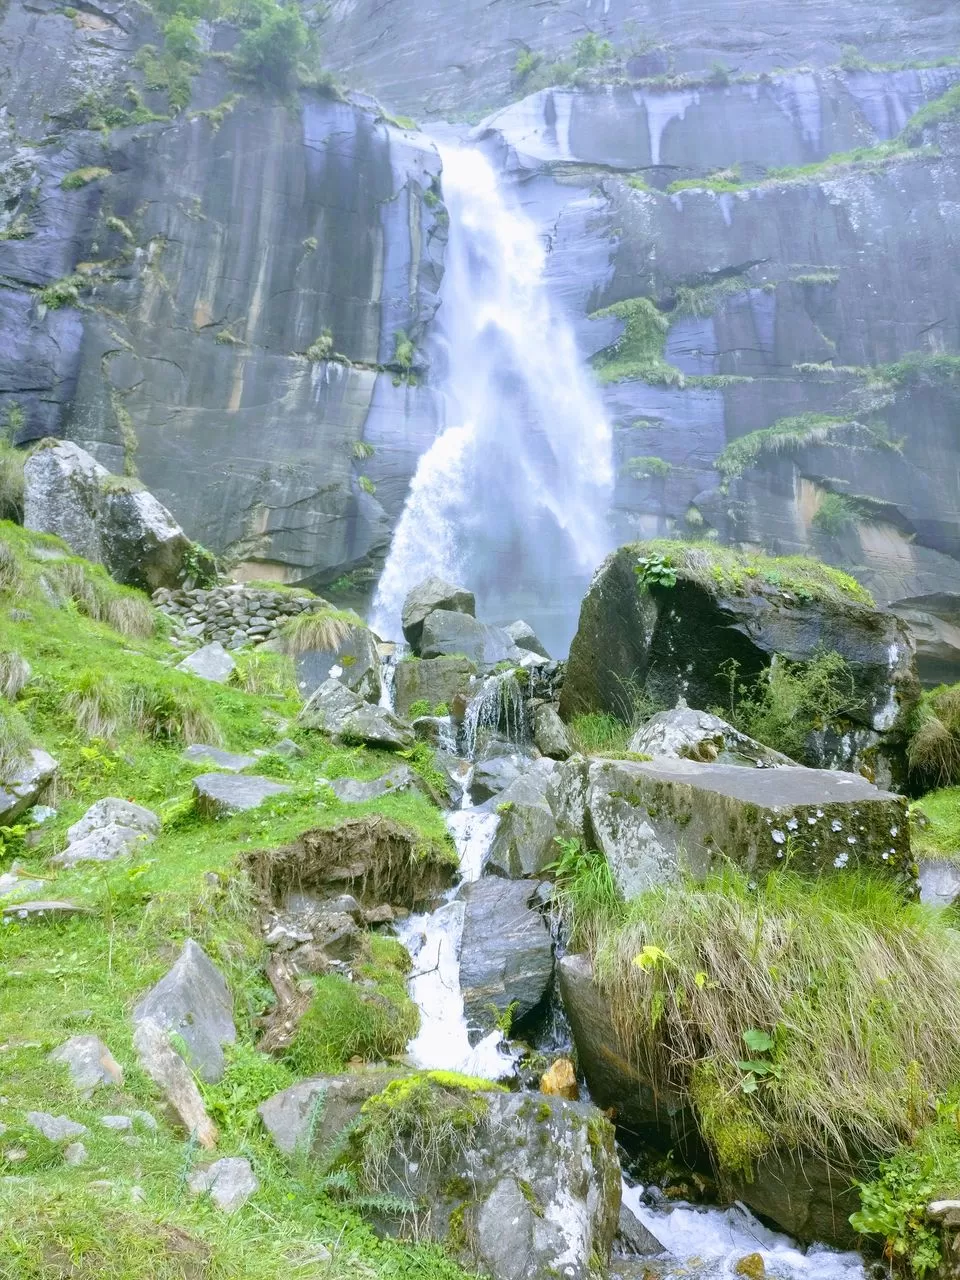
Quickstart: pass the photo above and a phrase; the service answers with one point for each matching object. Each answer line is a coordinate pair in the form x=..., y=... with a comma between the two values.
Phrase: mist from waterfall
x=511, y=499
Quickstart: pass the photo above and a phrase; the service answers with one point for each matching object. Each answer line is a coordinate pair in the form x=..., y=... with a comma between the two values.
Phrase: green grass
x=83, y=177
x=639, y=352
x=790, y=1013
x=935, y=824
x=599, y=733
x=787, y=434
x=84, y=975
x=835, y=515
x=725, y=569
x=11, y=481
x=933, y=749
x=323, y=630
x=647, y=468
x=942, y=109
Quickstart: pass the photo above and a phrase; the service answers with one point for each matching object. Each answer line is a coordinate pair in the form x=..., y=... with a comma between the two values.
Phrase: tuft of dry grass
x=325, y=630
x=11, y=482
x=14, y=674
x=933, y=752
x=793, y=1013
x=268, y=674
x=95, y=704
x=15, y=739
x=171, y=711
x=11, y=574
x=98, y=597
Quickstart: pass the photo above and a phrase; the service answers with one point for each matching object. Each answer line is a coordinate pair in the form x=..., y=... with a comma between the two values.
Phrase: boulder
x=103, y=844
x=212, y=662
x=506, y=953
x=173, y=1077
x=218, y=795
x=446, y=633
x=229, y=1183
x=498, y=768
x=55, y=1128
x=662, y=819
x=613, y=1079
x=355, y=791
x=550, y=733
x=633, y=1238
x=355, y=662
x=673, y=640
x=112, y=811
x=530, y=1186
x=89, y=1062
x=336, y=710
x=126, y=529
x=436, y=681
x=525, y=841
x=22, y=783
x=524, y=637
x=685, y=734
x=228, y=761
x=437, y=731
x=319, y=1109
x=433, y=593
x=193, y=1001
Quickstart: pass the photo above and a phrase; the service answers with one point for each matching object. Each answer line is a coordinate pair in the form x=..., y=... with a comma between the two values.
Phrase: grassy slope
x=83, y=977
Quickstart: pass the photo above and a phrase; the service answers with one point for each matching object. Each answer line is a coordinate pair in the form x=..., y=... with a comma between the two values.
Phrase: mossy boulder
x=435, y=681
x=673, y=628
x=659, y=820
x=498, y=1177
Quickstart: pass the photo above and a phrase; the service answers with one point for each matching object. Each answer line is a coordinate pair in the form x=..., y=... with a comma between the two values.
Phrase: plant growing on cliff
x=785, y=436
x=638, y=353
x=835, y=514
x=11, y=481
x=271, y=51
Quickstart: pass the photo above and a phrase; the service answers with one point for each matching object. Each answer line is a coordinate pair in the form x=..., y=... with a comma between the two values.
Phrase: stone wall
x=234, y=615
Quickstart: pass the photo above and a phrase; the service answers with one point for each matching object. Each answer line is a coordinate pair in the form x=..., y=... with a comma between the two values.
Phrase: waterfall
x=512, y=496
x=498, y=705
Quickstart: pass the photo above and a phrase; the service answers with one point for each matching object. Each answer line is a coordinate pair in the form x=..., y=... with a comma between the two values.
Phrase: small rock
x=226, y=760
x=524, y=637
x=561, y=1081
x=221, y=794
x=22, y=783
x=75, y=1153
x=230, y=1183
x=550, y=733
x=751, y=1265
x=55, y=1128
x=382, y=914
x=112, y=811
x=103, y=845
x=171, y=1074
x=212, y=662
x=12, y=882
x=118, y=1124
x=288, y=748
x=42, y=910
x=636, y=1239
x=144, y=1119
x=89, y=1062
x=353, y=791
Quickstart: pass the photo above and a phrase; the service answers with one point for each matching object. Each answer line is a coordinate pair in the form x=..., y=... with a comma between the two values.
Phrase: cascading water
x=498, y=706
x=512, y=496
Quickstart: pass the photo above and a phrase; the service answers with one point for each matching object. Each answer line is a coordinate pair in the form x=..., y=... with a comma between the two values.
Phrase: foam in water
x=433, y=940
x=712, y=1241
x=512, y=496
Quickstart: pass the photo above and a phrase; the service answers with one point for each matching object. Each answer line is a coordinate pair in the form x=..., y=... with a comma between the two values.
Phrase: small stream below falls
x=697, y=1240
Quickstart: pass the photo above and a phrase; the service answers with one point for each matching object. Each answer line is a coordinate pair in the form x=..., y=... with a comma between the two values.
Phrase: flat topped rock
x=662, y=819
x=102, y=845
x=220, y=794
x=43, y=909
x=688, y=734
x=212, y=662
x=200, y=753
x=507, y=950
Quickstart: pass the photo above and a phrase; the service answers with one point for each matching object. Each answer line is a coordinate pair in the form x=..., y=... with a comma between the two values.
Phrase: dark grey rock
x=220, y=794
x=525, y=841
x=212, y=662
x=117, y=1124
x=524, y=637
x=354, y=791
x=433, y=593
x=436, y=681
x=226, y=760
x=355, y=662
x=446, y=633
x=90, y=1063
x=319, y=1109
x=22, y=784
x=506, y=955
x=633, y=1238
x=193, y=1001
x=494, y=772
x=288, y=748
x=550, y=733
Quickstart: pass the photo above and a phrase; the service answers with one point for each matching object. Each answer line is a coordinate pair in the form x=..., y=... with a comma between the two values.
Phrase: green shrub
x=180, y=38
x=370, y=1018
x=11, y=482
x=647, y=468
x=63, y=293
x=321, y=348
x=83, y=177
x=591, y=51
x=419, y=708
x=835, y=514
x=526, y=63
x=599, y=733
x=638, y=353
x=270, y=52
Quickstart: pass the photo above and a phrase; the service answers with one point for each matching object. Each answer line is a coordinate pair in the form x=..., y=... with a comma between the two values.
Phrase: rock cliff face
x=196, y=260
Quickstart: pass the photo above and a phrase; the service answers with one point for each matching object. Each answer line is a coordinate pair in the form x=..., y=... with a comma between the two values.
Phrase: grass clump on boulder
x=325, y=629
x=790, y=1014
x=371, y=1017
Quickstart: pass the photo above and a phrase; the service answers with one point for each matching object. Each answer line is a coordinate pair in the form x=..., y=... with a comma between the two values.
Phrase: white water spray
x=512, y=496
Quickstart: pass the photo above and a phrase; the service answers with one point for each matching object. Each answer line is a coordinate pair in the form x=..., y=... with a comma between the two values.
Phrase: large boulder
x=525, y=842
x=437, y=681
x=662, y=819
x=433, y=593
x=219, y=795
x=193, y=1001
x=103, y=518
x=211, y=662
x=685, y=734
x=513, y=1184
x=506, y=953
x=309, y=1116
x=23, y=782
x=446, y=633
x=337, y=710
x=674, y=635
x=524, y=637
x=550, y=733
x=354, y=660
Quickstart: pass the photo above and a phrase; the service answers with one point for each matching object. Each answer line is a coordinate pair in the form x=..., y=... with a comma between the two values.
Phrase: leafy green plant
x=527, y=62
x=647, y=468
x=655, y=571
x=63, y=293
x=638, y=353
x=586, y=894
x=835, y=514
x=83, y=177
x=271, y=51
x=322, y=347
x=421, y=707
x=270, y=675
